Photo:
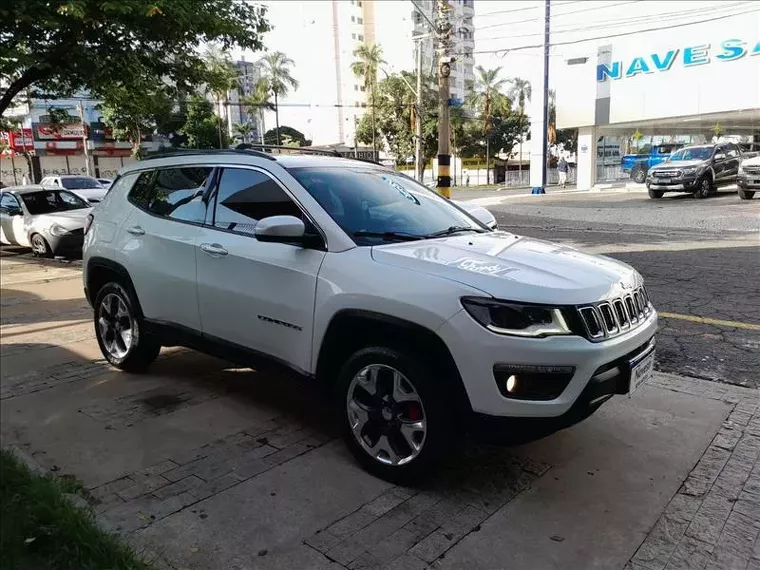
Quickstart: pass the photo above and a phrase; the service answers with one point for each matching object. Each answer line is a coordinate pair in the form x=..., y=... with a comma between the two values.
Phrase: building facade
x=695, y=83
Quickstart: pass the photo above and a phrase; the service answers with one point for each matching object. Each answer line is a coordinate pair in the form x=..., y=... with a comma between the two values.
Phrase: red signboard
x=48, y=132
x=17, y=140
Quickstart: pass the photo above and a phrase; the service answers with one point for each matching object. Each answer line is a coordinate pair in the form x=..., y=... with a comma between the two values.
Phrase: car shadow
x=18, y=307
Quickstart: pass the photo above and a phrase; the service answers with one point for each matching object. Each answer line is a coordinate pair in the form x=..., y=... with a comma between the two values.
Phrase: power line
x=525, y=9
x=609, y=36
x=501, y=24
x=616, y=23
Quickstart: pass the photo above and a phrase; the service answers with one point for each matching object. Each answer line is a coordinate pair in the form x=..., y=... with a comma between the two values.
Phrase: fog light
x=536, y=382
x=511, y=383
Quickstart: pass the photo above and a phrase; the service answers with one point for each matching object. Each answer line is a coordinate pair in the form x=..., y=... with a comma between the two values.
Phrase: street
x=200, y=464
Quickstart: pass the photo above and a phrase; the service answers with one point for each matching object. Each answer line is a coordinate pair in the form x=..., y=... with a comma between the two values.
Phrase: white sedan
x=50, y=221
x=87, y=187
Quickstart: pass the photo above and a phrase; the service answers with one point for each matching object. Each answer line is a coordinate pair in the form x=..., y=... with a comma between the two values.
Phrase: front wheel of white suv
x=119, y=329
x=395, y=421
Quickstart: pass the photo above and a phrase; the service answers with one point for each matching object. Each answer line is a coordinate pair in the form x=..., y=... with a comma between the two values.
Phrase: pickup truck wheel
x=395, y=421
x=746, y=194
x=639, y=174
x=704, y=189
x=656, y=194
x=119, y=330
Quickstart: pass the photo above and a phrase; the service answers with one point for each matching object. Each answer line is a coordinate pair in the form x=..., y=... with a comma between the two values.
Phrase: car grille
x=754, y=170
x=669, y=173
x=615, y=316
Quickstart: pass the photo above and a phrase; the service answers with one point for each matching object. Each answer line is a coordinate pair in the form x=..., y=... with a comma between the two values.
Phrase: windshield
x=694, y=153
x=365, y=200
x=50, y=201
x=80, y=183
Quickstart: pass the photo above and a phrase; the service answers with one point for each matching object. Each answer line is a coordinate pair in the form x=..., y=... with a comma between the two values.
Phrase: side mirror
x=280, y=229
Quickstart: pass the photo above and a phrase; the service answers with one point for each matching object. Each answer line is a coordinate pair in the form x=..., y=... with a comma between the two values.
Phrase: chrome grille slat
x=616, y=316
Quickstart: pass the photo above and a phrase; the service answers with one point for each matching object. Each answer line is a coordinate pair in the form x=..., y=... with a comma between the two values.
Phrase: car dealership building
x=692, y=84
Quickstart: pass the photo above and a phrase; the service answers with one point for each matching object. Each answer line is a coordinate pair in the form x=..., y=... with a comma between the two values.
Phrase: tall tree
x=259, y=102
x=58, y=47
x=202, y=126
x=135, y=110
x=368, y=61
x=243, y=131
x=222, y=76
x=521, y=92
x=485, y=96
x=275, y=71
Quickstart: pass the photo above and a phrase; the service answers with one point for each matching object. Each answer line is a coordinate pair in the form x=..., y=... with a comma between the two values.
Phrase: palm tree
x=259, y=101
x=369, y=59
x=275, y=71
x=243, y=131
x=484, y=96
x=520, y=92
x=221, y=77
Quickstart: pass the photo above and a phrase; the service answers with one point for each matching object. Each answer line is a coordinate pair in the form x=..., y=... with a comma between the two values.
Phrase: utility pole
x=540, y=116
x=84, y=140
x=443, y=36
x=419, y=164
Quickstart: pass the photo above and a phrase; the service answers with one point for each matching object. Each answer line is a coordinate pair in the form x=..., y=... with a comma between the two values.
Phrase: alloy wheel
x=116, y=325
x=386, y=415
x=38, y=245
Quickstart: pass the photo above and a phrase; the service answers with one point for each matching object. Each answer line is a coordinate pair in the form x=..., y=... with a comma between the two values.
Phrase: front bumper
x=748, y=182
x=476, y=351
x=70, y=243
x=684, y=184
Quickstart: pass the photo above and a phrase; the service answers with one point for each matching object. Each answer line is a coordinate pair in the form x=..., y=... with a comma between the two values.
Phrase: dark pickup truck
x=637, y=165
x=698, y=170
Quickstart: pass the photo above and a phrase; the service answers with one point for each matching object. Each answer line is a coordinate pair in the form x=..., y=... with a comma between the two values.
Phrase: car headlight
x=691, y=170
x=516, y=319
x=58, y=231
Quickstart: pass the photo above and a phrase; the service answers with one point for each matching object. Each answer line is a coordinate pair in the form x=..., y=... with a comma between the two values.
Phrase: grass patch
x=42, y=530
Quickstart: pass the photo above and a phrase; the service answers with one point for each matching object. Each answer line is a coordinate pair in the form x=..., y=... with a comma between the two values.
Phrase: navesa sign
x=729, y=50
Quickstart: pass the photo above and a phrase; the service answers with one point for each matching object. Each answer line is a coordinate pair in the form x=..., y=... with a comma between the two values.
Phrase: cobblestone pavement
x=713, y=522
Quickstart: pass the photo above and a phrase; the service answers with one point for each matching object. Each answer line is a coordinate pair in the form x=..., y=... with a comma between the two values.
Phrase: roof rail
x=297, y=149
x=197, y=151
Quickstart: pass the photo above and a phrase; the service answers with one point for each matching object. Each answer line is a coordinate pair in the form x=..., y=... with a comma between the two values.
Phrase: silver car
x=50, y=221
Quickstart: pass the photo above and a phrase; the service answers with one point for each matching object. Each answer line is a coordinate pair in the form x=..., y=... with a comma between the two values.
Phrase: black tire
x=655, y=194
x=436, y=410
x=704, y=188
x=143, y=349
x=40, y=246
x=639, y=174
x=746, y=194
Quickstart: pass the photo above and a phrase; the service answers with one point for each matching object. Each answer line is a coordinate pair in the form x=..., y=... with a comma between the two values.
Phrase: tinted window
x=49, y=201
x=732, y=151
x=247, y=196
x=368, y=199
x=175, y=193
x=80, y=183
x=693, y=153
x=9, y=202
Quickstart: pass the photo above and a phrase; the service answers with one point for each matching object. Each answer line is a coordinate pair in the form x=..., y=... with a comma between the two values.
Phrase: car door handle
x=136, y=231
x=213, y=249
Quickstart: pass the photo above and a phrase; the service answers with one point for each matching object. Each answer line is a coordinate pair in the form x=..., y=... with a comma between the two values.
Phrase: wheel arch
x=100, y=271
x=351, y=329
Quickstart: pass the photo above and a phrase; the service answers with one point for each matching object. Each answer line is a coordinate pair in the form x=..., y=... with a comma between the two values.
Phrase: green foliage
x=288, y=137
x=43, y=530
x=202, y=127
x=277, y=80
x=136, y=110
x=58, y=47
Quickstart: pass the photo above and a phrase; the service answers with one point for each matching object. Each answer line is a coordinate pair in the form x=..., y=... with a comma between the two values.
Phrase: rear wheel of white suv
x=120, y=331
x=395, y=420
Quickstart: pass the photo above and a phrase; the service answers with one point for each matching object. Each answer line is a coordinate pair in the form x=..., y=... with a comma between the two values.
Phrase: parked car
x=420, y=319
x=748, y=177
x=637, y=165
x=85, y=187
x=698, y=170
x=105, y=182
x=50, y=221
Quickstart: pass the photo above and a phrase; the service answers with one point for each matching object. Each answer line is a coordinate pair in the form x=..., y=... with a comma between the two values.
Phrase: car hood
x=754, y=161
x=678, y=164
x=514, y=268
x=71, y=220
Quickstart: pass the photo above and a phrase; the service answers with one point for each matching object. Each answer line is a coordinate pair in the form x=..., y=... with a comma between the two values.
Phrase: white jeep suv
x=422, y=320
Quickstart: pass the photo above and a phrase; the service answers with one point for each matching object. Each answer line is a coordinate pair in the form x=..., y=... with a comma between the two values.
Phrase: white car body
x=280, y=300
x=18, y=228
x=93, y=195
x=478, y=212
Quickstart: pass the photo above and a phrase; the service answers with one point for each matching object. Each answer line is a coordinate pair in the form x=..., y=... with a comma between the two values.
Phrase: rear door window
x=173, y=193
